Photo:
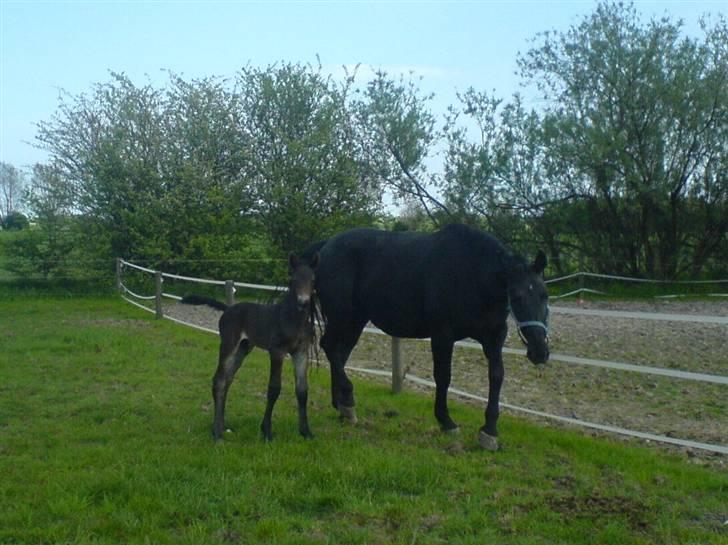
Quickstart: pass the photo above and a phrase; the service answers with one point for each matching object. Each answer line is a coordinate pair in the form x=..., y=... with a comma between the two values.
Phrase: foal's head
x=529, y=305
x=302, y=278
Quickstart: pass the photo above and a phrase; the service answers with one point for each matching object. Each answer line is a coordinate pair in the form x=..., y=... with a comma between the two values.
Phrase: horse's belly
x=401, y=327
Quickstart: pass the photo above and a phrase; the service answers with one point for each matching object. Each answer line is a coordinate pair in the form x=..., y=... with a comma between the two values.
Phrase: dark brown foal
x=282, y=328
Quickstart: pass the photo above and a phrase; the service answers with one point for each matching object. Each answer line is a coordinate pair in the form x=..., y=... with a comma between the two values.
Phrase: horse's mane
x=485, y=244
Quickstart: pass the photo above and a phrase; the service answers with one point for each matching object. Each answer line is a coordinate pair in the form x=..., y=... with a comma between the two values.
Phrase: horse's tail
x=202, y=300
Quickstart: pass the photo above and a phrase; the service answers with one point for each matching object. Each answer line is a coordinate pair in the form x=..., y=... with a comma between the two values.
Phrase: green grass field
x=105, y=419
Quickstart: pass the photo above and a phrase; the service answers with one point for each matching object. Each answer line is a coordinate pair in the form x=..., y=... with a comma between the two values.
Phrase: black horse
x=458, y=282
x=281, y=328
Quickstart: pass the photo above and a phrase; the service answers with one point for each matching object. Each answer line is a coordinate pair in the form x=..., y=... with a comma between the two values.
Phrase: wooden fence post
x=229, y=293
x=158, y=282
x=397, y=374
x=119, y=287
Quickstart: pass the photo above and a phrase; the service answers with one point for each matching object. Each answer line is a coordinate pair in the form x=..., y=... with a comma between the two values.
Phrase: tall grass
x=105, y=420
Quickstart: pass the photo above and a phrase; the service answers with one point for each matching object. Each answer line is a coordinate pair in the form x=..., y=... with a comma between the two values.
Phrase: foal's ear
x=313, y=263
x=539, y=264
x=293, y=261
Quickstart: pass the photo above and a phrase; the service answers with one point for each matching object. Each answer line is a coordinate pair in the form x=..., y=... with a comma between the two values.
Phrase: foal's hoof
x=488, y=442
x=348, y=413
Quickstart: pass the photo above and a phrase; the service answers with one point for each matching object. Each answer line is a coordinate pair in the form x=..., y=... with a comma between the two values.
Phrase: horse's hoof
x=308, y=435
x=451, y=431
x=488, y=442
x=348, y=413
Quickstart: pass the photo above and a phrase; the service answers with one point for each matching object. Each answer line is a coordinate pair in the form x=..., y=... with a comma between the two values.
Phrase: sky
x=452, y=45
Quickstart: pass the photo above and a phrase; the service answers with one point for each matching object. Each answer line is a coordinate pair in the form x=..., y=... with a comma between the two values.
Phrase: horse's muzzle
x=534, y=336
x=537, y=355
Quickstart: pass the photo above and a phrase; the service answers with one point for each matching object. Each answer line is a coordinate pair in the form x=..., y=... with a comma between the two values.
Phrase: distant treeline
x=624, y=169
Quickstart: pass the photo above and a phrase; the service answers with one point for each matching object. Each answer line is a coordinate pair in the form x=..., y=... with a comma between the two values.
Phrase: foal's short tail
x=202, y=300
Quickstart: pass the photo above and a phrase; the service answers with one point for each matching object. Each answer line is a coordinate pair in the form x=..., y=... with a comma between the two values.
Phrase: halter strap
x=529, y=323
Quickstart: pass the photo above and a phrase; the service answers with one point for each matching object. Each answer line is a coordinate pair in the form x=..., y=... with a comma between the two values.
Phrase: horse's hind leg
x=300, y=368
x=442, y=365
x=232, y=354
x=274, y=390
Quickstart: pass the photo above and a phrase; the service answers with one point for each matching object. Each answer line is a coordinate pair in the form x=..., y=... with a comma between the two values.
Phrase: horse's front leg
x=300, y=368
x=442, y=368
x=338, y=342
x=493, y=349
x=274, y=390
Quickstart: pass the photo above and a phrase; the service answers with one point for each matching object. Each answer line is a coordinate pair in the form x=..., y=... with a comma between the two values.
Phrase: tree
x=53, y=247
x=106, y=148
x=635, y=129
x=397, y=133
x=11, y=188
x=303, y=162
x=206, y=169
x=15, y=221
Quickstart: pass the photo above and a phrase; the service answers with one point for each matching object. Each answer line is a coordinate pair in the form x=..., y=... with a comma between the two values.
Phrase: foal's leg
x=442, y=365
x=300, y=368
x=231, y=358
x=493, y=349
x=274, y=390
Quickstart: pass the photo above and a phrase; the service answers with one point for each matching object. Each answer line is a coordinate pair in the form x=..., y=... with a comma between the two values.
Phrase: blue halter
x=529, y=323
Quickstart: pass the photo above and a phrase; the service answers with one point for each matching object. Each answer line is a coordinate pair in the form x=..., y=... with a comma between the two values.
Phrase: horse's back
x=406, y=283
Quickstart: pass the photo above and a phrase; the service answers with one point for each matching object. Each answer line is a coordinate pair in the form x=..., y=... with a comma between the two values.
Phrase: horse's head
x=302, y=278
x=529, y=306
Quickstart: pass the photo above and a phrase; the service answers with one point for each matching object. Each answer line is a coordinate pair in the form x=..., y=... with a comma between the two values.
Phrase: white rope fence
x=565, y=419
x=133, y=294
x=581, y=276
x=646, y=369
x=631, y=279
x=659, y=316
x=672, y=373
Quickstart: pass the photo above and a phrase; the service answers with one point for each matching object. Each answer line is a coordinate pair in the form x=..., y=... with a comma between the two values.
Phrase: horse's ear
x=539, y=264
x=293, y=261
x=314, y=261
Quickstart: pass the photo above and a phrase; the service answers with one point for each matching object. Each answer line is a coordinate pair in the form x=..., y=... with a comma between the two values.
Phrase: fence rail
x=574, y=421
x=659, y=316
x=398, y=376
x=645, y=369
x=631, y=279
